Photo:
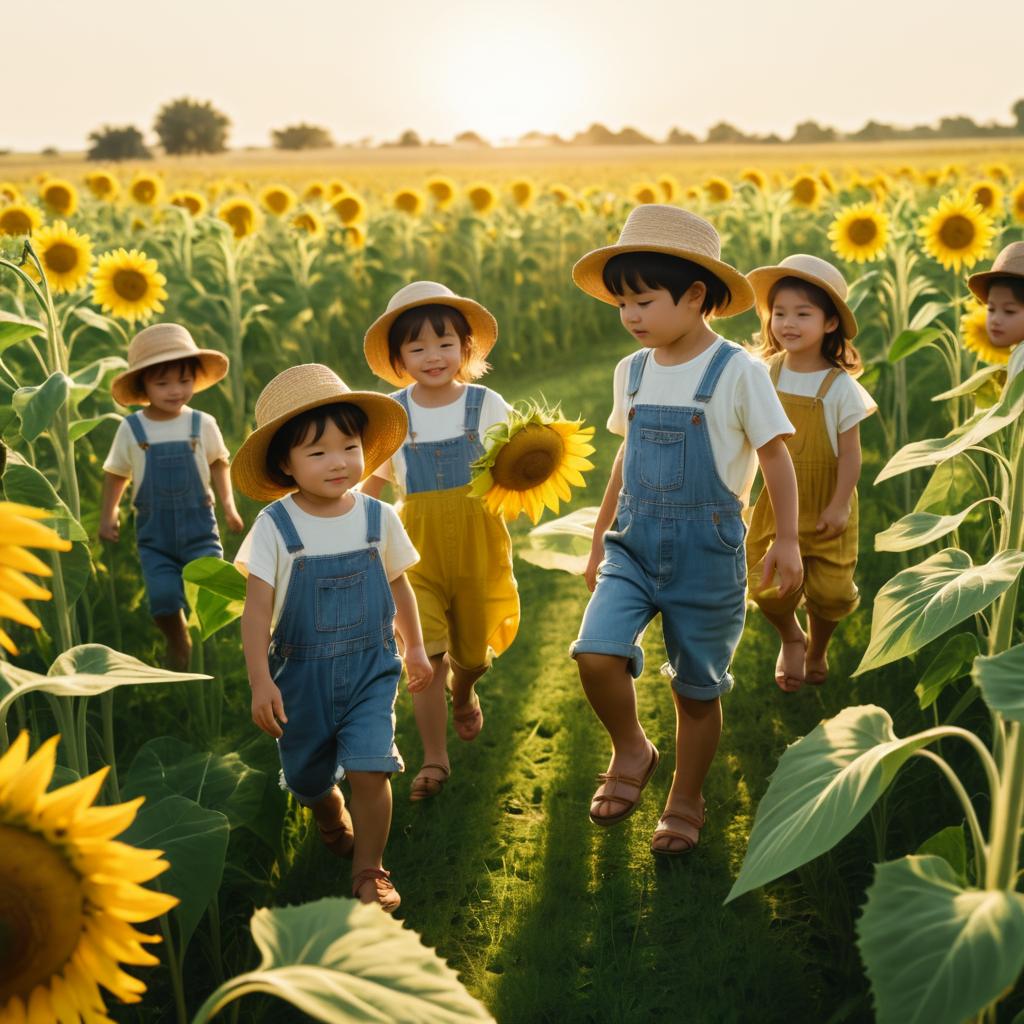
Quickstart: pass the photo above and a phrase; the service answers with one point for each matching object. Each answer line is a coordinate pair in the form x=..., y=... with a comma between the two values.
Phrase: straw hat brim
x=385, y=432
x=213, y=367
x=763, y=278
x=587, y=274
x=979, y=283
x=482, y=326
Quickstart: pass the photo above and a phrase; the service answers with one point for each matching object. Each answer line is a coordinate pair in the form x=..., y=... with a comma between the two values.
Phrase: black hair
x=407, y=327
x=643, y=271
x=1015, y=284
x=181, y=365
x=348, y=418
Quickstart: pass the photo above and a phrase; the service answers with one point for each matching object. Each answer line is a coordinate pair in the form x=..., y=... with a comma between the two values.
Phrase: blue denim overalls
x=334, y=658
x=677, y=547
x=174, y=519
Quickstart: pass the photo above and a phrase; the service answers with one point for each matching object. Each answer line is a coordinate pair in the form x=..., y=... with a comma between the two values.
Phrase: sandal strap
x=627, y=779
x=667, y=833
x=377, y=875
x=440, y=767
x=688, y=818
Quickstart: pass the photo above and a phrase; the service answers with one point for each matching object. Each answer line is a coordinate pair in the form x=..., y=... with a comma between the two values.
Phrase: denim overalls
x=677, y=547
x=334, y=658
x=174, y=519
x=465, y=590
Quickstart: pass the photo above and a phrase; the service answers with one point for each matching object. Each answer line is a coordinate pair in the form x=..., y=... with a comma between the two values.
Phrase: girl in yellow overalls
x=807, y=332
x=434, y=343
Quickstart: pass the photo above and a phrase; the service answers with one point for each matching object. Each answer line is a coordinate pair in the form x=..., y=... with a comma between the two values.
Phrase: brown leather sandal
x=671, y=833
x=466, y=719
x=385, y=894
x=340, y=839
x=629, y=805
x=424, y=786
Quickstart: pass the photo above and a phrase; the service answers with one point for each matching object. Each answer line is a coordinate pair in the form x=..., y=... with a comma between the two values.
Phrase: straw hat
x=482, y=326
x=653, y=227
x=163, y=343
x=297, y=390
x=1009, y=263
x=814, y=271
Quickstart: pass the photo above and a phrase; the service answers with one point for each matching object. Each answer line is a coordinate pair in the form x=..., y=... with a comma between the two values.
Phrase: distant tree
x=1018, y=112
x=958, y=128
x=302, y=136
x=117, y=144
x=49, y=151
x=874, y=131
x=535, y=138
x=725, y=132
x=811, y=131
x=679, y=138
x=188, y=126
x=470, y=139
x=596, y=135
x=409, y=138
x=633, y=137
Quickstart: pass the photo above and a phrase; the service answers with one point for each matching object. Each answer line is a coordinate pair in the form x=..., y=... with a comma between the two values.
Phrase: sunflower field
x=862, y=859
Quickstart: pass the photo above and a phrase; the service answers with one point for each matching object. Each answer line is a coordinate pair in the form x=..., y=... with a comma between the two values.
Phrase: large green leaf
x=953, y=662
x=79, y=428
x=14, y=328
x=562, y=543
x=950, y=844
x=952, y=483
x=103, y=323
x=86, y=380
x=909, y=341
x=195, y=841
x=919, y=604
x=822, y=786
x=935, y=952
x=24, y=483
x=215, y=590
x=920, y=528
x=345, y=962
x=36, y=406
x=1001, y=679
x=987, y=377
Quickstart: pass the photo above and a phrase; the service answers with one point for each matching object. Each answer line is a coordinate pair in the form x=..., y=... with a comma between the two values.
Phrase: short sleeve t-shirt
x=264, y=554
x=440, y=424
x=127, y=459
x=845, y=405
x=744, y=413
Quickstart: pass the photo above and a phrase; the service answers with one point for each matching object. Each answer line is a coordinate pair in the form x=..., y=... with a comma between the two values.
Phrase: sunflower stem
x=174, y=966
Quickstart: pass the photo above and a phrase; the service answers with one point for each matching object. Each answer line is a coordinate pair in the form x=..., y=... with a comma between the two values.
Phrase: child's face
x=798, y=325
x=433, y=359
x=655, y=320
x=169, y=388
x=328, y=466
x=1005, y=318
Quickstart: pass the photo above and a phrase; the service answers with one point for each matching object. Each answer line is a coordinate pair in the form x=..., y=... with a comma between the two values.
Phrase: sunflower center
x=957, y=232
x=41, y=911
x=130, y=284
x=406, y=202
x=862, y=231
x=61, y=258
x=983, y=197
x=15, y=222
x=58, y=197
x=277, y=201
x=144, y=191
x=805, y=190
x=240, y=220
x=529, y=458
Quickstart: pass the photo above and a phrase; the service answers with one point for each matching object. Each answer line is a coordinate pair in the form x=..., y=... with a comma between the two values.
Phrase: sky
x=377, y=67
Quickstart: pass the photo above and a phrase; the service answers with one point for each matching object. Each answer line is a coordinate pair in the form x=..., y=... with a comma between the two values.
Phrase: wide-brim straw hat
x=297, y=390
x=654, y=227
x=1009, y=263
x=814, y=271
x=482, y=325
x=163, y=343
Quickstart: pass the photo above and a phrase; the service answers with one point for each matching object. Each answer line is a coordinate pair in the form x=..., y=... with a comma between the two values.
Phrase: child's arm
x=267, y=705
x=113, y=489
x=605, y=518
x=784, y=554
x=373, y=486
x=220, y=477
x=407, y=620
x=836, y=515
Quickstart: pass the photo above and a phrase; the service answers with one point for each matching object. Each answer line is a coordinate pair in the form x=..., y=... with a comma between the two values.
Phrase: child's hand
x=418, y=668
x=783, y=556
x=268, y=709
x=110, y=529
x=234, y=520
x=832, y=522
x=596, y=558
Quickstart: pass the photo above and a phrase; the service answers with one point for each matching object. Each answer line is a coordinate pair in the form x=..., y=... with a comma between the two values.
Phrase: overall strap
x=196, y=429
x=372, y=519
x=279, y=514
x=775, y=367
x=134, y=421
x=403, y=397
x=474, y=403
x=826, y=384
x=708, y=383
x=636, y=371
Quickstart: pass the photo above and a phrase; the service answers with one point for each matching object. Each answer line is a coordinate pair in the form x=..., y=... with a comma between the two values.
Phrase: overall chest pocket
x=449, y=464
x=172, y=473
x=340, y=602
x=662, y=454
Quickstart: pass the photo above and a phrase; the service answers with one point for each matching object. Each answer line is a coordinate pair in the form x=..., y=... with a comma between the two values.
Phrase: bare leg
x=789, y=668
x=430, y=707
x=612, y=694
x=371, y=815
x=469, y=719
x=179, y=644
x=334, y=822
x=816, y=663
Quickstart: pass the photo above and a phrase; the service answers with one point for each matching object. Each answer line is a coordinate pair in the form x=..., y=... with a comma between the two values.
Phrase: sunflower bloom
x=827, y=180
x=20, y=531
x=313, y=191
x=19, y=218
x=355, y=236
x=146, y=189
x=442, y=190
x=128, y=284
x=642, y=192
x=999, y=172
x=482, y=197
x=349, y=209
x=409, y=201
x=805, y=190
x=988, y=195
x=65, y=255
x=560, y=193
x=189, y=200
x=1016, y=203
x=754, y=176
x=60, y=196
x=669, y=186
x=974, y=335
x=9, y=192
x=240, y=214
x=859, y=233
x=70, y=893
x=956, y=232
x=337, y=187
x=718, y=189
x=103, y=185
x=309, y=223
x=523, y=192
x=278, y=200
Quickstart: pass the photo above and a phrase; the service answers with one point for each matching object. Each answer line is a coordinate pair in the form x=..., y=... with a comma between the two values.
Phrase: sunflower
x=20, y=531
x=9, y=192
x=337, y=187
x=1016, y=203
x=240, y=214
x=859, y=233
x=355, y=236
x=974, y=334
x=957, y=232
x=754, y=176
x=103, y=185
x=69, y=893
x=826, y=178
x=129, y=285
x=805, y=190
x=718, y=189
x=531, y=461
x=65, y=255
x=349, y=209
x=19, y=219
x=986, y=194
x=642, y=192
x=313, y=191
x=880, y=184
x=60, y=196
x=409, y=200
x=932, y=177
x=999, y=171
x=308, y=222
x=482, y=197
x=907, y=172
x=442, y=190
x=146, y=189
x=278, y=200
x=188, y=199
x=669, y=185
x=523, y=192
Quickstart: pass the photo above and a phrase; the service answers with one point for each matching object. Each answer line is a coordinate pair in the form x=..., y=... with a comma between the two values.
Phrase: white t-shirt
x=265, y=555
x=440, y=424
x=744, y=414
x=127, y=459
x=846, y=403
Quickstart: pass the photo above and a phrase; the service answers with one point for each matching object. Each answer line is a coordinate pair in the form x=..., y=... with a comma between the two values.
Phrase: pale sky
x=377, y=67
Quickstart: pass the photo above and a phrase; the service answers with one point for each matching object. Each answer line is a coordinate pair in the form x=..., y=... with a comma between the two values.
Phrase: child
x=172, y=454
x=807, y=333
x=1002, y=291
x=694, y=408
x=436, y=343
x=326, y=576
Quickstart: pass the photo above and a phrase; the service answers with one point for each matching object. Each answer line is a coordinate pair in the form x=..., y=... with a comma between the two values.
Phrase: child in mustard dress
x=807, y=333
x=434, y=344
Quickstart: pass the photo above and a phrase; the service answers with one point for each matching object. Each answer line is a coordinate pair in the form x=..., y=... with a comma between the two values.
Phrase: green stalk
x=977, y=837
x=174, y=966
